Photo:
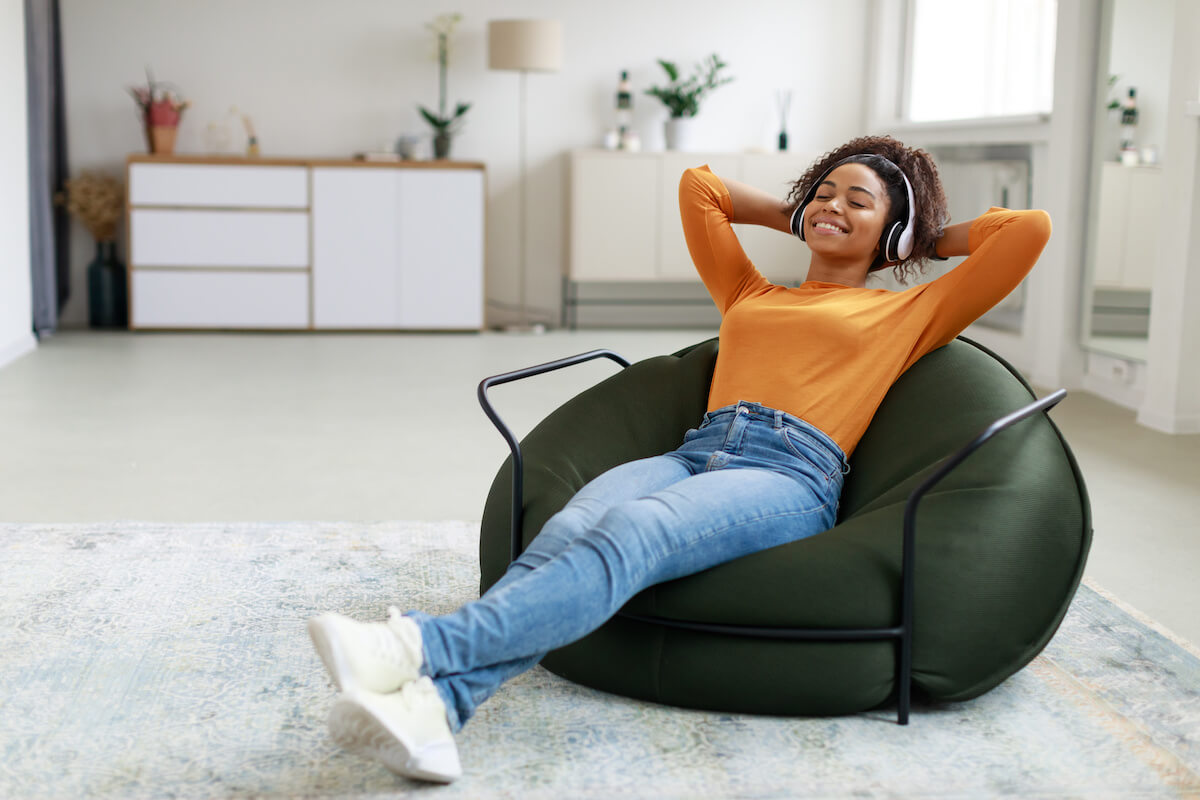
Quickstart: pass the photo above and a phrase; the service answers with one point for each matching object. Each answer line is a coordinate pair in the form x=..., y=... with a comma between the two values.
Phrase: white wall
x=16, y=316
x=328, y=79
x=1172, y=401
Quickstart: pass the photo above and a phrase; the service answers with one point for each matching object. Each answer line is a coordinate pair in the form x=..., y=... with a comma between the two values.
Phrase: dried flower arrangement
x=161, y=109
x=159, y=105
x=97, y=201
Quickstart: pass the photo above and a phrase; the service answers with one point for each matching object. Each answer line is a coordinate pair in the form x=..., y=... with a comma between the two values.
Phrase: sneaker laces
x=386, y=644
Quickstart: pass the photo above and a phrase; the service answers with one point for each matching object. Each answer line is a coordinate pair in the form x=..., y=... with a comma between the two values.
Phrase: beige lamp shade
x=527, y=45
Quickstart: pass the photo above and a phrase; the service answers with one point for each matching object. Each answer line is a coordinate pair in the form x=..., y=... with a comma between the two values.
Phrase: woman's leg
x=627, y=481
x=692, y=525
x=623, y=482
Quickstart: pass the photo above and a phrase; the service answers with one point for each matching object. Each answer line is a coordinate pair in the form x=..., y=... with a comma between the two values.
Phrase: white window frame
x=888, y=89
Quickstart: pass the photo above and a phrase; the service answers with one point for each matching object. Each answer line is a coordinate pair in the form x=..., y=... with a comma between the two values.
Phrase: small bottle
x=624, y=106
x=1129, y=120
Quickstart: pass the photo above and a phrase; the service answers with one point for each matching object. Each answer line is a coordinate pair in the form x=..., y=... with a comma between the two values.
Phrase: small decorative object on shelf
x=252, y=150
x=444, y=124
x=161, y=109
x=98, y=202
x=783, y=100
x=682, y=97
x=1129, y=121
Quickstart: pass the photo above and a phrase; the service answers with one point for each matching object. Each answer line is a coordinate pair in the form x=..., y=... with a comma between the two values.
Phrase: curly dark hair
x=918, y=166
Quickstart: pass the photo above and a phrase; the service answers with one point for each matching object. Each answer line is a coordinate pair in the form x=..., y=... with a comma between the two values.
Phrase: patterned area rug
x=155, y=660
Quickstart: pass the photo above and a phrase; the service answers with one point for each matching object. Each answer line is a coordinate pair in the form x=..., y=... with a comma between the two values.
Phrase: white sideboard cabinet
x=625, y=215
x=628, y=259
x=305, y=245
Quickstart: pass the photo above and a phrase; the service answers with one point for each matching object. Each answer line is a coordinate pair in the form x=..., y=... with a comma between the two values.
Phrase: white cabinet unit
x=625, y=215
x=614, y=217
x=1128, y=226
x=305, y=245
x=627, y=250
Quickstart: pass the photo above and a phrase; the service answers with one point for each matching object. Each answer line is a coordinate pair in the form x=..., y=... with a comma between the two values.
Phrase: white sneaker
x=406, y=730
x=375, y=656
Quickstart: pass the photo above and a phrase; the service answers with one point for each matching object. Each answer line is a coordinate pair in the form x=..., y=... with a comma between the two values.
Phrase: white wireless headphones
x=896, y=243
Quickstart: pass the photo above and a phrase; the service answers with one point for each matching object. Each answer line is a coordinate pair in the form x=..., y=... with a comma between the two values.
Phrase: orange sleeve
x=706, y=212
x=1004, y=247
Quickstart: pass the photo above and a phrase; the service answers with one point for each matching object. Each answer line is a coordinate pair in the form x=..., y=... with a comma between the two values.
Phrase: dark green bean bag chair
x=1000, y=546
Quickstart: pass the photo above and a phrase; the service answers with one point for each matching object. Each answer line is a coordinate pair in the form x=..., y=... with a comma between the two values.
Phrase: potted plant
x=98, y=202
x=682, y=97
x=161, y=110
x=444, y=124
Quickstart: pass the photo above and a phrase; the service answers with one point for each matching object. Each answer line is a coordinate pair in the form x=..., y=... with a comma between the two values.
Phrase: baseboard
x=11, y=351
x=1170, y=423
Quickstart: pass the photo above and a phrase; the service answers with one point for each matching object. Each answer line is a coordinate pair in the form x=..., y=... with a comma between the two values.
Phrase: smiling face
x=846, y=217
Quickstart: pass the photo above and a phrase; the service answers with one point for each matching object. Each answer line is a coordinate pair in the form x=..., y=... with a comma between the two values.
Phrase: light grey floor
x=223, y=427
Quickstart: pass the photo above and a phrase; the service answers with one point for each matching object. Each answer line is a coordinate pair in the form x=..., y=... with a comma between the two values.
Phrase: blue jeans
x=747, y=479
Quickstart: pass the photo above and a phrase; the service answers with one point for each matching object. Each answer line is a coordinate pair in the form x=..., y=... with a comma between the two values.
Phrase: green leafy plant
x=1113, y=103
x=682, y=97
x=442, y=28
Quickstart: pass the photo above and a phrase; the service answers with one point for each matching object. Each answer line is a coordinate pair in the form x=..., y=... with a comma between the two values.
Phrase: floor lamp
x=524, y=45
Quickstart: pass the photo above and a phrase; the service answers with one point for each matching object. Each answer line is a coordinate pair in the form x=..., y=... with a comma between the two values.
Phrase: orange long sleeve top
x=825, y=352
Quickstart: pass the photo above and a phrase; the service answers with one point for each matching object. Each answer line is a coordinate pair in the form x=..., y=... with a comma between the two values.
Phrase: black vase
x=107, y=299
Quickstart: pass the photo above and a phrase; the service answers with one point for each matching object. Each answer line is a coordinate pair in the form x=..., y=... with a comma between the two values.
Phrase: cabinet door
x=1110, y=236
x=356, y=248
x=779, y=256
x=674, y=261
x=1143, y=228
x=441, y=248
x=614, y=216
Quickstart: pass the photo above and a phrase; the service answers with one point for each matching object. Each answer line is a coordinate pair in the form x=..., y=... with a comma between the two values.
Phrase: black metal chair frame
x=902, y=632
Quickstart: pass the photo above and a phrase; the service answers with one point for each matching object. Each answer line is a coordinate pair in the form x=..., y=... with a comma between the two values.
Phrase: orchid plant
x=442, y=28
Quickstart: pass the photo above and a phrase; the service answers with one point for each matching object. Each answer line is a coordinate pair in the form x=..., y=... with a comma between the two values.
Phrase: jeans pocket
x=802, y=447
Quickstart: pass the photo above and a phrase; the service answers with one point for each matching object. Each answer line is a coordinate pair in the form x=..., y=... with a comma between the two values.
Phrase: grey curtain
x=48, y=224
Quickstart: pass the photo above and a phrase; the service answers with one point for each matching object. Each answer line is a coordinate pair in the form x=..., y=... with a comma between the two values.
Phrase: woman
x=799, y=375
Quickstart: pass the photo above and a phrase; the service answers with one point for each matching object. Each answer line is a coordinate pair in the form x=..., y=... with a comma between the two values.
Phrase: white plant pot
x=681, y=133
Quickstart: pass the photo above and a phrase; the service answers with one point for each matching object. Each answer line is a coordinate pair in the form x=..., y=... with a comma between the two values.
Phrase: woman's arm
x=755, y=207
x=707, y=212
x=955, y=240
x=1002, y=246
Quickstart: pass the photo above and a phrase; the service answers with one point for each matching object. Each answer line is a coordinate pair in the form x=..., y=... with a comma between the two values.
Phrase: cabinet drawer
x=187, y=299
x=187, y=238
x=215, y=185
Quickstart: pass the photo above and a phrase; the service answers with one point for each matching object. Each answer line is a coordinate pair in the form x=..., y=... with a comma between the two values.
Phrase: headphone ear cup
x=797, y=221
x=891, y=240
x=904, y=242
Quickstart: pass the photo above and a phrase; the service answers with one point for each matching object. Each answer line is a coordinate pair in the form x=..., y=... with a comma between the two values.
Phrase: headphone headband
x=896, y=243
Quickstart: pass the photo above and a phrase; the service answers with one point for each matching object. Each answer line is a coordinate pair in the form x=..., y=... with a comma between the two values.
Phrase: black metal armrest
x=907, y=559
x=513, y=444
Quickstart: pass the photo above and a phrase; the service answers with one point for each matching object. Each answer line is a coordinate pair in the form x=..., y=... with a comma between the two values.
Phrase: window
x=983, y=58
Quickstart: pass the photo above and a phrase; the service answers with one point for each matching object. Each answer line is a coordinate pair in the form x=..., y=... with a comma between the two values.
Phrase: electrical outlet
x=1122, y=371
